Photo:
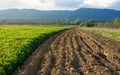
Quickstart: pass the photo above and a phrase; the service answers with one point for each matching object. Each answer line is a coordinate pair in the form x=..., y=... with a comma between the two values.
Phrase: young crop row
x=18, y=42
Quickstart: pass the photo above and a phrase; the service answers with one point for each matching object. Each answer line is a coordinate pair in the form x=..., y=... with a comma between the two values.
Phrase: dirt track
x=74, y=52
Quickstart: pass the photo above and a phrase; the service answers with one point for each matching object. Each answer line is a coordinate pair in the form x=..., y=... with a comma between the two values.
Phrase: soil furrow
x=101, y=56
x=60, y=56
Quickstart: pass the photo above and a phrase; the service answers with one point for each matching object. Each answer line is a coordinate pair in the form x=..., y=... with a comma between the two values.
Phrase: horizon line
x=57, y=9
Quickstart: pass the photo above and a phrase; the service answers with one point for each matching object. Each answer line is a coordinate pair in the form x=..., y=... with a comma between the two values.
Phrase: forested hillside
x=101, y=15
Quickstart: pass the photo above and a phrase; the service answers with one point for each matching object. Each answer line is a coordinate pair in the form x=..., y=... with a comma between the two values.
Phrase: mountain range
x=100, y=15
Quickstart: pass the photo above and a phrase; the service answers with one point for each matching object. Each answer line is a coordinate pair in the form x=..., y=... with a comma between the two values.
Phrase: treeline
x=67, y=22
x=56, y=22
x=21, y=22
x=114, y=24
x=89, y=23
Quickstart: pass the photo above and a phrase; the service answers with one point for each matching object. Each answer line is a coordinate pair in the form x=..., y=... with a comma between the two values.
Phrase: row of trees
x=88, y=23
x=114, y=24
x=67, y=22
x=56, y=22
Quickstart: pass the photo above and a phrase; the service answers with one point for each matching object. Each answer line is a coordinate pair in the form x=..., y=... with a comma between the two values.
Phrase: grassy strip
x=110, y=33
x=18, y=42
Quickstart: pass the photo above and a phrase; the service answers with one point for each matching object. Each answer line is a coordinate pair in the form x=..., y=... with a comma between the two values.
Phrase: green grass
x=18, y=42
x=110, y=33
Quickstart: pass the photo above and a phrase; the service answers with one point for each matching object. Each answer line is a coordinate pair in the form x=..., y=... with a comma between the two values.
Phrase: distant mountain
x=81, y=14
x=96, y=14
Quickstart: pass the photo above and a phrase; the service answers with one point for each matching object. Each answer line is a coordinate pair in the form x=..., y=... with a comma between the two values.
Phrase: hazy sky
x=59, y=4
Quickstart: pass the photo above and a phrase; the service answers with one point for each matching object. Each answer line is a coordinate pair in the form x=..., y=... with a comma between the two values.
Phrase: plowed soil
x=74, y=52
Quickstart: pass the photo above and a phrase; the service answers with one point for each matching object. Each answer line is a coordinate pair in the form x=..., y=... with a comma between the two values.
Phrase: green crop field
x=110, y=33
x=18, y=42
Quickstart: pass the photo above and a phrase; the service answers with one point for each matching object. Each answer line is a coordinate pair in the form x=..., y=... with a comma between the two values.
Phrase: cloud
x=9, y=3
x=116, y=6
x=68, y=4
x=40, y=4
x=58, y=4
x=31, y=4
x=99, y=3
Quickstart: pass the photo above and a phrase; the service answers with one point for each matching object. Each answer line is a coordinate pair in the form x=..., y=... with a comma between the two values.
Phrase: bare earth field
x=74, y=52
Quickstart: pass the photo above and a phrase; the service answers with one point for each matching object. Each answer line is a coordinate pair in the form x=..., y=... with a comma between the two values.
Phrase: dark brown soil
x=74, y=52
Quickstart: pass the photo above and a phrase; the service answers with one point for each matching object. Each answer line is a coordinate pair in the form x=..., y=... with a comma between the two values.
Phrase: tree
x=59, y=22
x=116, y=22
x=100, y=25
x=67, y=22
x=82, y=25
x=90, y=23
x=76, y=22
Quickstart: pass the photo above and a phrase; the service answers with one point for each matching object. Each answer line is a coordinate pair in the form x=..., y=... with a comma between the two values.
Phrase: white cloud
x=58, y=4
x=37, y=4
x=31, y=4
x=99, y=3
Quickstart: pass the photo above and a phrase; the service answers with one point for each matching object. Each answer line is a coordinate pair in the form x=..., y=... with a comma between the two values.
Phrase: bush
x=82, y=25
x=90, y=23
